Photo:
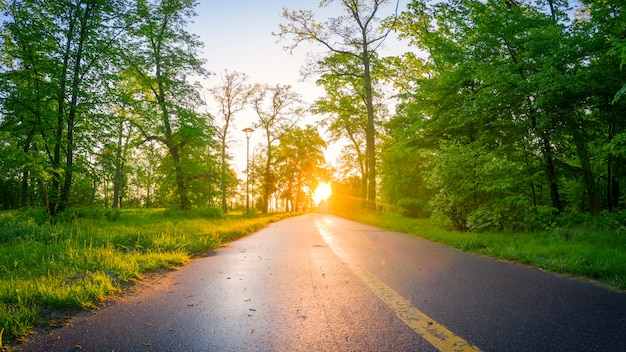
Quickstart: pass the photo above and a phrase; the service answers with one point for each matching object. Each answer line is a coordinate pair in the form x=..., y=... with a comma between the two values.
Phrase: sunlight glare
x=322, y=192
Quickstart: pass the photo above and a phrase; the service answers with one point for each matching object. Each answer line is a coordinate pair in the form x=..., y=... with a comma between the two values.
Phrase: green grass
x=50, y=266
x=586, y=251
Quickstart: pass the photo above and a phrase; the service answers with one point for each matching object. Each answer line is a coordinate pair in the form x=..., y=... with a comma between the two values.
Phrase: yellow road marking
x=436, y=334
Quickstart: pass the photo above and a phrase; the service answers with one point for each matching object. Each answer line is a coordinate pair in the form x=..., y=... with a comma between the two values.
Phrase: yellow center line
x=436, y=334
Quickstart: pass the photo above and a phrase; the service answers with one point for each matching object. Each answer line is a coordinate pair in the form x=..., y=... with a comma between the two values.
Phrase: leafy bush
x=22, y=224
x=414, y=208
x=483, y=219
x=93, y=213
x=204, y=212
x=37, y=215
x=209, y=212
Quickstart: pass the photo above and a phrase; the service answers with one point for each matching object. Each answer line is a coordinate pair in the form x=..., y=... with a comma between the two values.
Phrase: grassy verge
x=72, y=264
x=593, y=253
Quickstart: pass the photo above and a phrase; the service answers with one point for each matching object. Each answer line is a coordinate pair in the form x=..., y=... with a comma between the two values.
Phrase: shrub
x=204, y=212
x=209, y=212
x=414, y=208
x=483, y=219
x=93, y=213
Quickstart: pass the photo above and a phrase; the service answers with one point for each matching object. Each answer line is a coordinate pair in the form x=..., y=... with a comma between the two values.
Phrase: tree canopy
x=514, y=116
x=499, y=114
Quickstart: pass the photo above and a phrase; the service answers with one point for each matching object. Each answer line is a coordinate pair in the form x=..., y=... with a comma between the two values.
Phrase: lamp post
x=248, y=132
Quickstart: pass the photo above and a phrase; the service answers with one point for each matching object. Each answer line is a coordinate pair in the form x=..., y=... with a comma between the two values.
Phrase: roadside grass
x=76, y=262
x=585, y=251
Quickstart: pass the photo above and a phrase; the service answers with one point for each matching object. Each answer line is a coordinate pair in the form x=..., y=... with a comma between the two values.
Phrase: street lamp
x=248, y=132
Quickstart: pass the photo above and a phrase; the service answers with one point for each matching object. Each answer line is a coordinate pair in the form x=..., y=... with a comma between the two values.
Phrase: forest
x=501, y=114
x=101, y=107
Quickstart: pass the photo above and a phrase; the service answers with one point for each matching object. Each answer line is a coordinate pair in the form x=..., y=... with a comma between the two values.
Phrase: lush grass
x=78, y=259
x=594, y=252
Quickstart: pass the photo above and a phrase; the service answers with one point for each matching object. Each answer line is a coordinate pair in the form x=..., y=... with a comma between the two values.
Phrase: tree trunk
x=267, y=184
x=223, y=174
x=587, y=173
x=612, y=183
x=53, y=193
x=590, y=185
x=25, y=174
x=370, y=138
x=552, y=177
x=180, y=180
x=117, y=181
x=171, y=144
x=76, y=80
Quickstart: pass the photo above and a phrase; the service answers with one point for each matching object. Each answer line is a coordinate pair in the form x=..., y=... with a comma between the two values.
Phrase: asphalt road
x=322, y=283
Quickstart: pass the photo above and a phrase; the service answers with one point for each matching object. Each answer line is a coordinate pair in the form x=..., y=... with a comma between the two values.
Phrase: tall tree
x=232, y=97
x=301, y=157
x=356, y=34
x=510, y=88
x=278, y=109
x=344, y=108
x=606, y=21
x=162, y=57
x=64, y=48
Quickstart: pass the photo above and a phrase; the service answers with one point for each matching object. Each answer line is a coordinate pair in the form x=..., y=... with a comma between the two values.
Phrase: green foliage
x=92, y=213
x=204, y=212
x=352, y=42
x=81, y=100
x=415, y=208
x=508, y=119
x=278, y=108
x=16, y=320
x=300, y=162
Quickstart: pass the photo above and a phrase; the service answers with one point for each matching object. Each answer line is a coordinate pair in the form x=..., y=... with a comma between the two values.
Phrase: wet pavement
x=321, y=283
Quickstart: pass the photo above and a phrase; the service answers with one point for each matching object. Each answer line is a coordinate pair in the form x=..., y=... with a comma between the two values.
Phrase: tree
x=606, y=19
x=232, y=97
x=355, y=34
x=508, y=88
x=345, y=109
x=278, y=109
x=62, y=50
x=147, y=160
x=300, y=157
x=162, y=57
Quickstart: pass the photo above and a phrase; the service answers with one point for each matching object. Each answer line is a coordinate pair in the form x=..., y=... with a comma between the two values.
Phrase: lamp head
x=248, y=131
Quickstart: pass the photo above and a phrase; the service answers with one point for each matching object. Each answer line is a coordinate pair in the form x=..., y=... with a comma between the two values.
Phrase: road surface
x=321, y=283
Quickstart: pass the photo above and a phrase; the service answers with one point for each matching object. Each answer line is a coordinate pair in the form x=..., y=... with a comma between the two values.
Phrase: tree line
x=509, y=113
x=98, y=107
x=500, y=114
x=516, y=115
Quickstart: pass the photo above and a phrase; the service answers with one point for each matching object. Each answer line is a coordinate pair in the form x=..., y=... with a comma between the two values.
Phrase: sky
x=237, y=36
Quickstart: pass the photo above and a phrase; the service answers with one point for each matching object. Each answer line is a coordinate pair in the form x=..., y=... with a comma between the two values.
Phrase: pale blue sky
x=237, y=35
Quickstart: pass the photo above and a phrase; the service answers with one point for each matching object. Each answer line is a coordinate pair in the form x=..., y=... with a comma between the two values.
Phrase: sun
x=322, y=192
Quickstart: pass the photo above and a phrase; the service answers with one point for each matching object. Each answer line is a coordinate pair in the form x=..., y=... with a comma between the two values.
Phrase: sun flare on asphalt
x=322, y=192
